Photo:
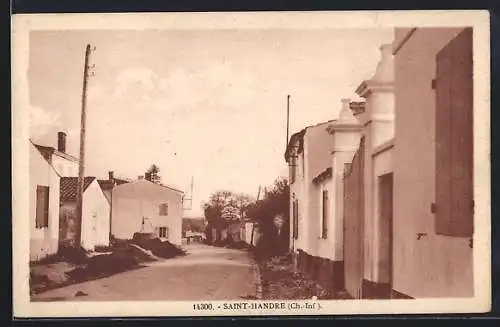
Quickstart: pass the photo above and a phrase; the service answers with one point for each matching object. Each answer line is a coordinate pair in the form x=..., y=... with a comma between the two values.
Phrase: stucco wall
x=318, y=151
x=43, y=241
x=434, y=266
x=325, y=248
x=95, y=217
x=132, y=201
x=298, y=189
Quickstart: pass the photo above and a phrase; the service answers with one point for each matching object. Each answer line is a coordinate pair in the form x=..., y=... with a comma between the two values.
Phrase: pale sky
x=203, y=103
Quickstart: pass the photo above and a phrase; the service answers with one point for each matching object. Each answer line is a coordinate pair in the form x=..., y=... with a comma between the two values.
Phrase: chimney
x=111, y=175
x=61, y=142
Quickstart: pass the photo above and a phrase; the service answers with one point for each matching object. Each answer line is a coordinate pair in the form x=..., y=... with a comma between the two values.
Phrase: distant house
x=232, y=231
x=193, y=224
x=95, y=213
x=193, y=229
x=47, y=166
x=250, y=232
x=107, y=185
x=146, y=207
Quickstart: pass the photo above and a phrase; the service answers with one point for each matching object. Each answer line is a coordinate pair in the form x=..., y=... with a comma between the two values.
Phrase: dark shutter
x=324, y=224
x=42, y=206
x=454, y=137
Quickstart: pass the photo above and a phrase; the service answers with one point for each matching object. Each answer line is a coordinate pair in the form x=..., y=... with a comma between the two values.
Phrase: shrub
x=104, y=265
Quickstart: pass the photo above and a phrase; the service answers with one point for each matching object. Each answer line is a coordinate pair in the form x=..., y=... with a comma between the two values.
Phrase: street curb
x=258, y=282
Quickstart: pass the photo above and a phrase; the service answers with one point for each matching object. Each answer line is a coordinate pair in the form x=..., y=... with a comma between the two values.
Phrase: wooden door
x=385, y=224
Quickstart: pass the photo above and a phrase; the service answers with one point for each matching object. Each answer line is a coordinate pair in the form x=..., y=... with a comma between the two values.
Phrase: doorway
x=386, y=196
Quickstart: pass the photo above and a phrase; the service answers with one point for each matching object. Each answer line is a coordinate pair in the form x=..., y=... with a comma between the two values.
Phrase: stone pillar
x=345, y=132
x=378, y=122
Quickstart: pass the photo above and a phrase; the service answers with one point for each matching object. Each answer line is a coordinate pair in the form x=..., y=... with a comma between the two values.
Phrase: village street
x=205, y=273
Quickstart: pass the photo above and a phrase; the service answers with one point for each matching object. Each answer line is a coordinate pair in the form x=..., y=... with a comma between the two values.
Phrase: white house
x=143, y=206
x=47, y=166
x=95, y=213
x=311, y=194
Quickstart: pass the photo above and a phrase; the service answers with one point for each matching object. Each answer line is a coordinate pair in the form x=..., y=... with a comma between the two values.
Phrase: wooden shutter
x=454, y=137
x=324, y=222
x=42, y=206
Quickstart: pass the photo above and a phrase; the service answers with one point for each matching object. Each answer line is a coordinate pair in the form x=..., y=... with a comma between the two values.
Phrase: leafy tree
x=230, y=213
x=272, y=215
x=152, y=174
x=222, y=208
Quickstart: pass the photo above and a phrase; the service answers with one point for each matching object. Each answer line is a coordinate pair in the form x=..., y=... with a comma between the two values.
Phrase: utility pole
x=287, y=118
x=81, y=161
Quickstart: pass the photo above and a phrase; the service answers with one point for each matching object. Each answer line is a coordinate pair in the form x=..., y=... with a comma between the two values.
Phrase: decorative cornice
x=323, y=176
x=357, y=107
x=368, y=86
x=387, y=145
x=333, y=128
x=344, y=149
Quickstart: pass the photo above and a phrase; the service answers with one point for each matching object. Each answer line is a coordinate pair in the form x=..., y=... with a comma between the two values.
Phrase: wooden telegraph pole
x=81, y=165
x=287, y=118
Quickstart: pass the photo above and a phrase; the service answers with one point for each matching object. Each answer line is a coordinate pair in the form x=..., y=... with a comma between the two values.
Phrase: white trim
x=344, y=149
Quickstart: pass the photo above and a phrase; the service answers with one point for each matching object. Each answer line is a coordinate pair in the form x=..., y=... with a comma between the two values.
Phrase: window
x=324, y=214
x=454, y=209
x=295, y=213
x=163, y=232
x=42, y=206
x=164, y=209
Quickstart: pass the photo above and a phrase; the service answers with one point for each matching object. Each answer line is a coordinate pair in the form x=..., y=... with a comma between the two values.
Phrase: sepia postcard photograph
x=251, y=163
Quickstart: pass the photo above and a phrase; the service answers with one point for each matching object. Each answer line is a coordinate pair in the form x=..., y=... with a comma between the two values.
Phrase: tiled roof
x=68, y=187
x=48, y=151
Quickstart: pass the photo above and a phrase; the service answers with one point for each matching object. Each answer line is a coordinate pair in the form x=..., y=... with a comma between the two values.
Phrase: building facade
x=47, y=166
x=141, y=206
x=433, y=199
x=394, y=209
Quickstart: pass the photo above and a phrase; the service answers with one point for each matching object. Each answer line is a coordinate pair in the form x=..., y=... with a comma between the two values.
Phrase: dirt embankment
x=71, y=266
